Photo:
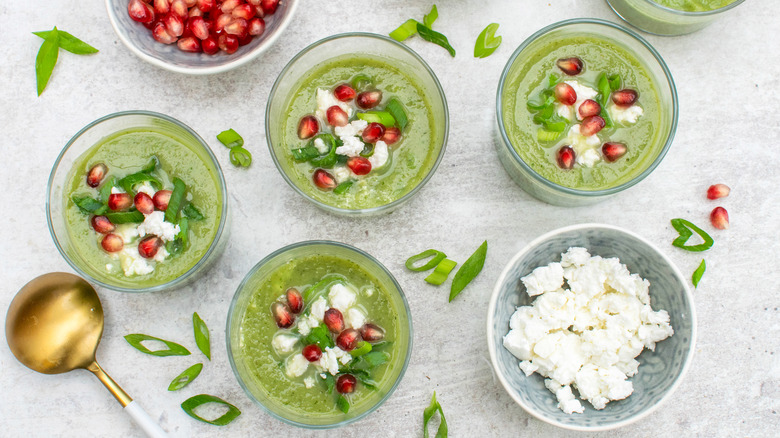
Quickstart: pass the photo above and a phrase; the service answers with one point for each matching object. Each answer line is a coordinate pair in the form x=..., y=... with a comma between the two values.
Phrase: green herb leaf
x=318, y=287
x=202, y=338
x=437, y=257
x=686, y=229
x=127, y=183
x=487, y=42
x=47, y=59
x=185, y=377
x=431, y=17
x=362, y=348
x=305, y=154
x=69, y=42
x=375, y=358
x=395, y=108
x=176, y=246
x=105, y=190
x=330, y=383
x=470, y=269
x=615, y=82
x=434, y=37
x=343, y=404
x=604, y=89
x=361, y=81
x=240, y=157
x=125, y=217
x=328, y=160
x=230, y=138
x=86, y=204
x=404, y=31
x=383, y=117
x=174, y=349
x=191, y=403
x=442, y=271
x=192, y=212
x=343, y=187
x=697, y=274
x=153, y=163
x=441, y=432
x=553, y=80
x=176, y=201
x=319, y=335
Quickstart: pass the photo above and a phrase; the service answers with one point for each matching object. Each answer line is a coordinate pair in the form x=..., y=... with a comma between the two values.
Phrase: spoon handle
x=152, y=429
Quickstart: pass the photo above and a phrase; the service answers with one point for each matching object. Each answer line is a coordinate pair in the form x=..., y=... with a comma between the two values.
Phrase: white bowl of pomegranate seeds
x=199, y=36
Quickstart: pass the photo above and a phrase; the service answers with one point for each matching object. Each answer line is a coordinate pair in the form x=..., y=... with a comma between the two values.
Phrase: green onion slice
x=343, y=187
x=185, y=377
x=434, y=37
x=428, y=414
x=342, y=404
x=383, y=117
x=230, y=138
x=202, y=338
x=615, y=82
x=697, y=274
x=176, y=201
x=468, y=270
x=395, y=108
x=192, y=403
x=176, y=246
x=153, y=162
x=442, y=271
x=545, y=136
x=686, y=230
x=404, y=31
x=436, y=258
x=362, y=348
x=125, y=217
x=329, y=160
x=173, y=349
x=487, y=42
x=361, y=81
x=431, y=17
x=240, y=157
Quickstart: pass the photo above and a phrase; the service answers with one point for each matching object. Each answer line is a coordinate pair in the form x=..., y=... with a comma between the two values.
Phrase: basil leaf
x=375, y=358
x=304, y=154
x=176, y=201
x=441, y=432
x=330, y=383
x=86, y=204
x=191, y=403
x=47, y=59
x=69, y=42
x=174, y=349
x=684, y=227
x=240, y=157
x=470, y=269
x=437, y=257
x=395, y=108
x=362, y=348
x=127, y=183
x=125, y=217
x=343, y=187
x=431, y=17
x=230, y=138
x=185, y=377
x=437, y=38
x=192, y=212
x=604, y=89
x=405, y=30
x=202, y=339
x=487, y=41
x=442, y=271
x=697, y=274
x=105, y=190
x=342, y=404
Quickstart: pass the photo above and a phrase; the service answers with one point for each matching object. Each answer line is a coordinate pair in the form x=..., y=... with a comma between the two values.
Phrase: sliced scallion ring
x=186, y=377
x=192, y=403
x=436, y=258
x=442, y=271
x=173, y=349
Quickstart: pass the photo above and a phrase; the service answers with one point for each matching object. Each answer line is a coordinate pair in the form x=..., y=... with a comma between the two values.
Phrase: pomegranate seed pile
x=206, y=26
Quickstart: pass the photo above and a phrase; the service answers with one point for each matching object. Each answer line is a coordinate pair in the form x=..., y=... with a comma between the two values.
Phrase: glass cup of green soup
x=319, y=334
x=357, y=123
x=137, y=203
x=585, y=109
x=671, y=17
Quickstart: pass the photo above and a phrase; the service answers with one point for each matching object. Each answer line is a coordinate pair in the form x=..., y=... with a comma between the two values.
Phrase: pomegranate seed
x=259, y=10
x=570, y=66
x=195, y=12
x=244, y=40
x=189, y=44
x=312, y=352
x=613, y=151
x=348, y=339
x=149, y=245
x=229, y=5
x=119, y=201
x=624, y=98
x=179, y=8
x=591, y=125
x=253, y=2
x=295, y=300
x=324, y=180
x=565, y=94
x=191, y=3
x=720, y=218
x=209, y=45
x=238, y=27
x=207, y=5
x=269, y=6
x=102, y=225
x=160, y=33
x=308, y=127
x=222, y=21
x=198, y=27
x=282, y=315
x=161, y=199
x=161, y=7
x=565, y=157
x=344, y=93
x=333, y=320
x=228, y=43
x=337, y=116
x=718, y=191
x=369, y=99
x=346, y=383
x=359, y=165
x=392, y=135
x=112, y=243
x=589, y=108
x=140, y=11
x=244, y=11
x=373, y=132
x=372, y=333
x=256, y=26
x=96, y=174
x=187, y=33
x=144, y=202
x=173, y=24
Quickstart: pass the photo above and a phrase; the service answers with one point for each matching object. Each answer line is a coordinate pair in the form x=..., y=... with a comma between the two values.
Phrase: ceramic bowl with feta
x=319, y=334
x=137, y=202
x=357, y=123
x=671, y=17
x=585, y=109
x=591, y=327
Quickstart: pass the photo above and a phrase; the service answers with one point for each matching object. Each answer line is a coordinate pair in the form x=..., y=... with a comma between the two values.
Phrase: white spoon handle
x=143, y=419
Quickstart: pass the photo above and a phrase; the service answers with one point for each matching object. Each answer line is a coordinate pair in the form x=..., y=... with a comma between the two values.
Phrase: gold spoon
x=54, y=326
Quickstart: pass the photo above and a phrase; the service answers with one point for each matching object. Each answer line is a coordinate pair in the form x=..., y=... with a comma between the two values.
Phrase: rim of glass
x=222, y=221
x=491, y=334
x=231, y=63
x=695, y=13
x=415, y=189
x=568, y=190
x=231, y=315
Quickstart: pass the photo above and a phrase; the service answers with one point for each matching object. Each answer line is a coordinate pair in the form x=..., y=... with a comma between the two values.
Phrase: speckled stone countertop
x=727, y=79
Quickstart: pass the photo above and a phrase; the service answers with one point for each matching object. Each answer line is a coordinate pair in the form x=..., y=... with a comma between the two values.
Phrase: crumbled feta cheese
x=341, y=173
x=318, y=308
x=369, y=291
x=308, y=382
x=581, y=144
x=543, y=279
x=583, y=93
x=563, y=110
x=132, y=262
x=283, y=343
x=341, y=297
x=127, y=232
x=330, y=359
x=145, y=187
x=325, y=100
x=354, y=318
x=352, y=146
x=155, y=223
x=351, y=129
x=306, y=323
x=380, y=156
x=115, y=190
x=296, y=365
x=322, y=148
x=628, y=115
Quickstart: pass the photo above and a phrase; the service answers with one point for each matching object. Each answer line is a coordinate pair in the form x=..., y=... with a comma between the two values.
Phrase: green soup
x=128, y=152
x=694, y=5
x=530, y=75
x=411, y=159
